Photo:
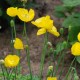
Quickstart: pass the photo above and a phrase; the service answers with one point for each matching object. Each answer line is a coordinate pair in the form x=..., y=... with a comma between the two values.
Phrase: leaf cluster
x=68, y=10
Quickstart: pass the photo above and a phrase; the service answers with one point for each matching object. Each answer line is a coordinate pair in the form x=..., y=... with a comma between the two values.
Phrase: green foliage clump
x=71, y=15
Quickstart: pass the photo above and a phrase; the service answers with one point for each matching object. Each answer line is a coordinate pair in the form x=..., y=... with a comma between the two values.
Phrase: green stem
x=27, y=51
x=59, y=60
x=14, y=31
x=69, y=69
x=15, y=73
x=3, y=72
x=12, y=39
x=19, y=66
x=43, y=55
x=7, y=73
x=61, y=69
x=10, y=72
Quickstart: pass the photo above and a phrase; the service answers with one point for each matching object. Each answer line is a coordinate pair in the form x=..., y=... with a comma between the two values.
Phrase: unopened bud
x=50, y=44
x=65, y=44
x=70, y=27
x=2, y=61
x=12, y=41
x=24, y=1
x=0, y=26
x=61, y=31
x=25, y=46
x=12, y=23
x=50, y=67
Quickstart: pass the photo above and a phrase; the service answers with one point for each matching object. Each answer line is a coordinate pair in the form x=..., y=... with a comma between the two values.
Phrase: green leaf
x=71, y=3
x=78, y=59
x=73, y=32
x=59, y=14
x=60, y=8
x=72, y=20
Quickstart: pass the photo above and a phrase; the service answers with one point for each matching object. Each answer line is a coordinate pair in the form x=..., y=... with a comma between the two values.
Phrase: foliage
x=71, y=3
x=68, y=11
x=11, y=65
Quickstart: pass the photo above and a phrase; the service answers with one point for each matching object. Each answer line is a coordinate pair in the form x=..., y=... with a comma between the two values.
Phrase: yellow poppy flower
x=12, y=11
x=25, y=15
x=45, y=24
x=75, y=49
x=11, y=61
x=52, y=78
x=78, y=36
x=18, y=44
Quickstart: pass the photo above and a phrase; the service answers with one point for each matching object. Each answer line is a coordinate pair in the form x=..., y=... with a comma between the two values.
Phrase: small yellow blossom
x=45, y=24
x=18, y=44
x=50, y=67
x=25, y=15
x=78, y=36
x=11, y=61
x=75, y=49
x=12, y=11
x=52, y=78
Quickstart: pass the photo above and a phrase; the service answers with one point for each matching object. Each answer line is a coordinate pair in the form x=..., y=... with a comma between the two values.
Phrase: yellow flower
x=75, y=49
x=11, y=61
x=12, y=11
x=25, y=15
x=45, y=24
x=52, y=78
x=18, y=44
x=78, y=36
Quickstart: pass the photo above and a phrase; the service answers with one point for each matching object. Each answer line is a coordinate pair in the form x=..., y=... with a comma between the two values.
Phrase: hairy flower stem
x=27, y=51
x=61, y=71
x=69, y=69
x=8, y=78
x=19, y=66
x=43, y=55
x=13, y=32
x=15, y=73
x=12, y=23
x=3, y=72
x=59, y=60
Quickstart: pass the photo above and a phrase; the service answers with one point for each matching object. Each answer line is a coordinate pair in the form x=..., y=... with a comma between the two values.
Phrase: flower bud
x=61, y=31
x=70, y=27
x=12, y=23
x=78, y=36
x=25, y=46
x=49, y=44
x=24, y=1
x=50, y=68
x=1, y=61
x=64, y=44
x=0, y=26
